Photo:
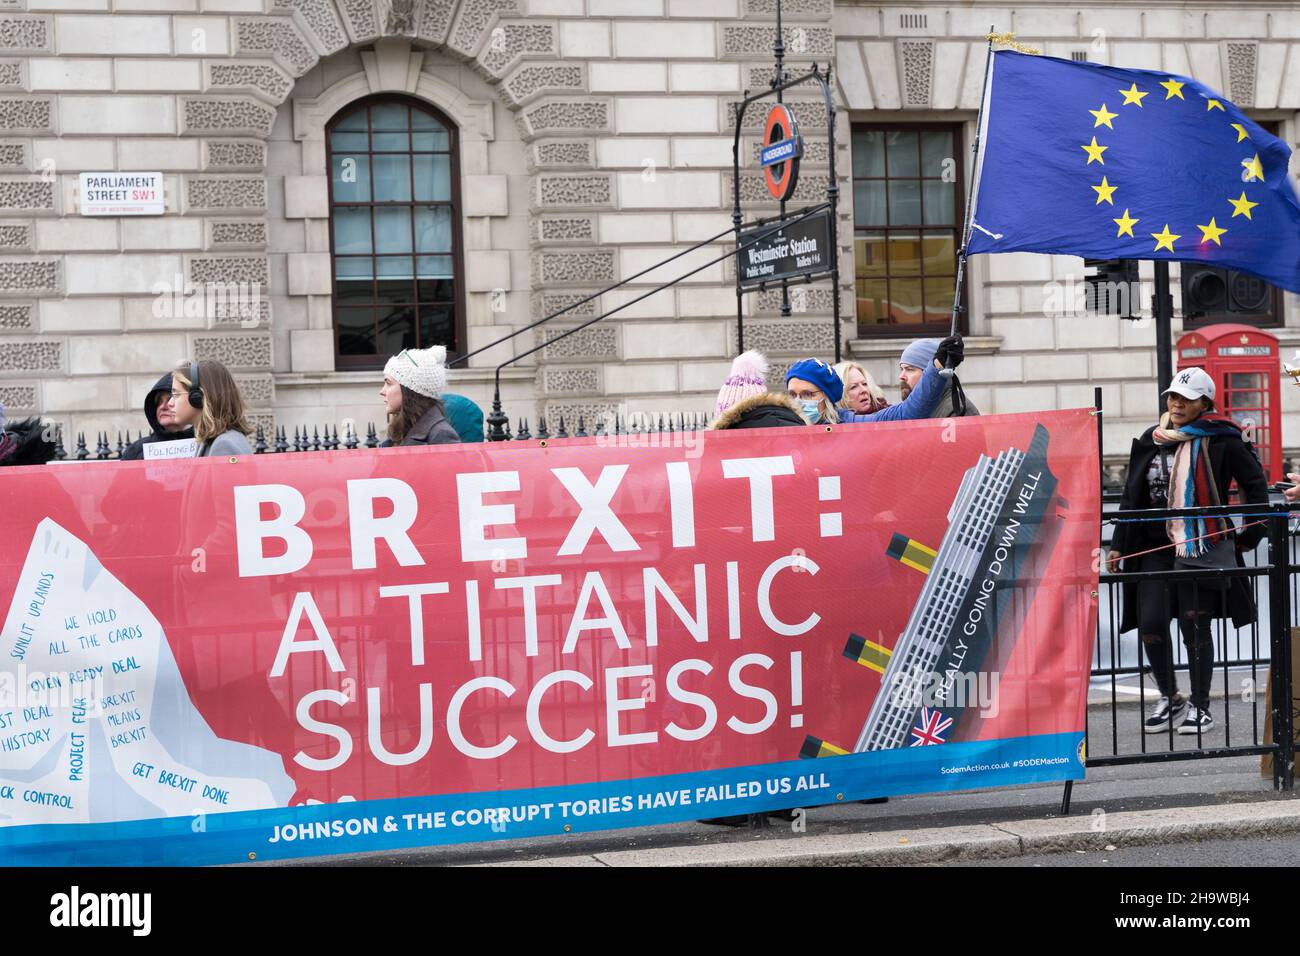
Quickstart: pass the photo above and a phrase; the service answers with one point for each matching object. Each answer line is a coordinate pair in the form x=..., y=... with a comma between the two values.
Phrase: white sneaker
x=1164, y=712
x=1196, y=720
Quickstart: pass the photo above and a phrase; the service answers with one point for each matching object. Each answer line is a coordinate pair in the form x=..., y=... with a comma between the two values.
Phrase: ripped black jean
x=1196, y=606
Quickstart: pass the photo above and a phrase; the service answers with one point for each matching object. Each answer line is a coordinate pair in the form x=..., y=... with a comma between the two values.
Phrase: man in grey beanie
x=915, y=360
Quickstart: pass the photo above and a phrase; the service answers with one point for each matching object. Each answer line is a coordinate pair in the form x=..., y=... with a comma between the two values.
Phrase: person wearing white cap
x=1189, y=460
x=413, y=384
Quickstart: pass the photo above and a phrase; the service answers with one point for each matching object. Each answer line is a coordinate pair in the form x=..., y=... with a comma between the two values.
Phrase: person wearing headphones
x=206, y=398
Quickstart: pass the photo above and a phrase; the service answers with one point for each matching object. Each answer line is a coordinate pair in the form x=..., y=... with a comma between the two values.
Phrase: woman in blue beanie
x=815, y=386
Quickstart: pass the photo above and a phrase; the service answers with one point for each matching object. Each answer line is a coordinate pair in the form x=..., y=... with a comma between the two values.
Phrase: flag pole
x=1162, y=310
x=970, y=194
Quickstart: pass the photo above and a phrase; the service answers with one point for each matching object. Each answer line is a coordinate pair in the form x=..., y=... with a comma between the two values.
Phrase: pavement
x=964, y=844
x=1280, y=849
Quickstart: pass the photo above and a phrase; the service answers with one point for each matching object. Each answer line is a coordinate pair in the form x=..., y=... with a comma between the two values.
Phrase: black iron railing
x=346, y=436
x=1249, y=662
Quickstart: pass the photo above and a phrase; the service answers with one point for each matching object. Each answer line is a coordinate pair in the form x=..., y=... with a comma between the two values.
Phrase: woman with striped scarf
x=1189, y=460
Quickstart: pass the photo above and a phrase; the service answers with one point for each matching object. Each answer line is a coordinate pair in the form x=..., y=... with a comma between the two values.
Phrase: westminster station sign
x=801, y=248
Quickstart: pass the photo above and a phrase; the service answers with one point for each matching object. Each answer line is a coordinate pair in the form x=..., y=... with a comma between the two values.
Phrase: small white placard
x=121, y=194
x=181, y=448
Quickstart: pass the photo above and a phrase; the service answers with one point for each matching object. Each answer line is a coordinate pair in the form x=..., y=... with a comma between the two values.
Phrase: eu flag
x=1105, y=163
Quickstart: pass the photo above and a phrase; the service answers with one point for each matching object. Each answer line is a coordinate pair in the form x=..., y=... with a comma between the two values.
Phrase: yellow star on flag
x=1125, y=225
x=1242, y=206
x=1173, y=88
x=1241, y=132
x=1164, y=239
x=1213, y=104
x=1210, y=233
x=1103, y=117
x=1094, y=152
x=1103, y=192
x=1253, y=168
x=1132, y=96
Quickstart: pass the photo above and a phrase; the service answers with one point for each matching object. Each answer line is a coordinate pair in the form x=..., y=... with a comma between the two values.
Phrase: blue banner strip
x=371, y=825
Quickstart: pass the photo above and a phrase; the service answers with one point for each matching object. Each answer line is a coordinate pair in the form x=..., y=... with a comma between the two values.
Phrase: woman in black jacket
x=745, y=402
x=1189, y=460
x=162, y=421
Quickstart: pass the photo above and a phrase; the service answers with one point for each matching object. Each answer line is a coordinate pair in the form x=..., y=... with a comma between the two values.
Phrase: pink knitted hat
x=748, y=378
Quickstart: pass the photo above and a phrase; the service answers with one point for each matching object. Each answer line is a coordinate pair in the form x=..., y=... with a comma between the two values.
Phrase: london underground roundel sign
x=781, y=152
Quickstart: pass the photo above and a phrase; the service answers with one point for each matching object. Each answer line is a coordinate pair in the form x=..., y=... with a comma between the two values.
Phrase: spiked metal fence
x=332, y=438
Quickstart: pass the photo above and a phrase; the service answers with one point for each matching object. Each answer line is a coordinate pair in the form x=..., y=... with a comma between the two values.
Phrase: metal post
x=833, y=197
x=1101, y=550
x=497, y=419
x=1279, y=609
x=1162, y=309
x=778, y=79
x=779, y=83
x=735, y=222
x=970, y=193
x=1101, y=465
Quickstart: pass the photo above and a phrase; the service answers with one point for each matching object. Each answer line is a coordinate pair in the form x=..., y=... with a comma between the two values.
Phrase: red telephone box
x=1244, y=363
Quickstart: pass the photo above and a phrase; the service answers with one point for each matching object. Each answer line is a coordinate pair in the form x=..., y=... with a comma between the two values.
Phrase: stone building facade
x=590, y=139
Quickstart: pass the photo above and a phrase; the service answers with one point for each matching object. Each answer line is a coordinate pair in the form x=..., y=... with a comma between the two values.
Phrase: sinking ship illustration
x=998, y=516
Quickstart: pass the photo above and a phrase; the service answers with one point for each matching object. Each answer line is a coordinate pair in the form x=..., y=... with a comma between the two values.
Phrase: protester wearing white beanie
x=413, y=384
x=421, y=370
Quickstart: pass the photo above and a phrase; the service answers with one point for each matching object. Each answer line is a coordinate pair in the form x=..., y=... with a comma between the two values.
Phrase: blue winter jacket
x=923, y=400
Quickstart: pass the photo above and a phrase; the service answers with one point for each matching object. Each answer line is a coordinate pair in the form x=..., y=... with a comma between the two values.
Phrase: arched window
x=394, y=231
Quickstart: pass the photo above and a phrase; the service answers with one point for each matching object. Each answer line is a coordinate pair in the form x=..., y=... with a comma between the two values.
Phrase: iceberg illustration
x=96, y=724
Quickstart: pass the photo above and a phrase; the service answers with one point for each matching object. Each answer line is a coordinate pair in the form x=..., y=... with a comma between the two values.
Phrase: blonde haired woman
x=206, y=398
x=861, y=393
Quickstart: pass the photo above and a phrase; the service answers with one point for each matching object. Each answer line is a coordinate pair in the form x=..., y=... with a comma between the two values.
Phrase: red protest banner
x=604, y=624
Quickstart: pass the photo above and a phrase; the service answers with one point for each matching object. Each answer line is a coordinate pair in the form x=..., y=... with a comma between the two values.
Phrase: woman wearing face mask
x=815, y=386
x=1189, y=460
